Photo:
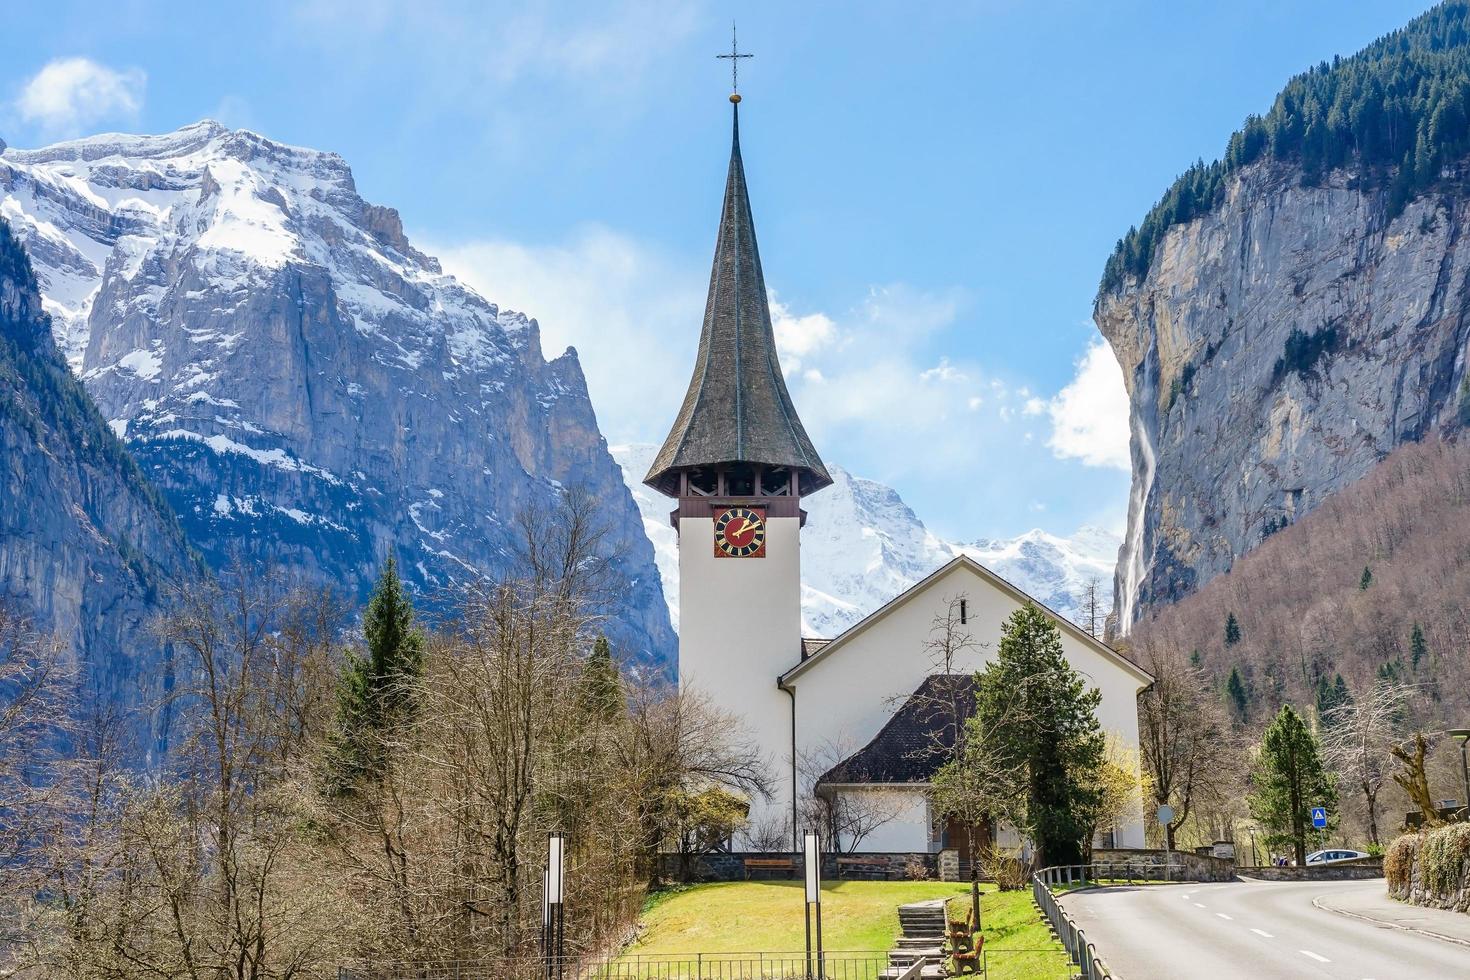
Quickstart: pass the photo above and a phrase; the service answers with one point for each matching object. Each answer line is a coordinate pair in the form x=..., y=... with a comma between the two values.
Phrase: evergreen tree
x=601, y=686
x=1366, y=579
x=1042, y=716
x=1235, y=687
x=1418, y=647
x=1194, y=658
x=1232, y=630
x=373, y=692
x=1331, y=695
x=1289, y=779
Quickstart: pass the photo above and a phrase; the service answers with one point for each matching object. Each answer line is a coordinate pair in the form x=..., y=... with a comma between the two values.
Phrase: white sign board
x=813, y=855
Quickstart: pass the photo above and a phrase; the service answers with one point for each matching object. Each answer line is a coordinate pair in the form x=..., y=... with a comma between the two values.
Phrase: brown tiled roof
x=737, y=409
x=917, y=739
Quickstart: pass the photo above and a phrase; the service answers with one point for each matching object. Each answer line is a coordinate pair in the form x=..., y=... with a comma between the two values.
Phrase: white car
x=1334, y=856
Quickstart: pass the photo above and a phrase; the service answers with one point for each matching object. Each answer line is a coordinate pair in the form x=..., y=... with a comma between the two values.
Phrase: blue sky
x=935, y=186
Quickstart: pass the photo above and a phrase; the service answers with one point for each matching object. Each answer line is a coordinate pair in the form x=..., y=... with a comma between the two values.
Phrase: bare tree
x=1093, y=617
x=1358, y=740
x=1413, y=777
x=1186, y=746
x=846, y=818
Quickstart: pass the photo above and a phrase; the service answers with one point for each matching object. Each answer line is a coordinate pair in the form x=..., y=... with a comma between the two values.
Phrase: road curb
x=1390, y=925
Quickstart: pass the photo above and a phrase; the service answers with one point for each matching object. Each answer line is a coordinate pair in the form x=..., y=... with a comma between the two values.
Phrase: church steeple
x=737, y=415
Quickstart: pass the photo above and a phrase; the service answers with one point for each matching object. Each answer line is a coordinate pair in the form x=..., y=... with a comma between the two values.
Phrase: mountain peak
x=863, y=545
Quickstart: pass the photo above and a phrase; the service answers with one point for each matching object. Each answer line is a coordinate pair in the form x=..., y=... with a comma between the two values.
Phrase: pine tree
x=1289, y=779
x=1235, y=687
x=373, y=692
x=1418, y=647
x=601, y=687
x=1043, y=719
x=1331, y=695
x=1194, y=658
x=1232, y=630
x=1366, y=580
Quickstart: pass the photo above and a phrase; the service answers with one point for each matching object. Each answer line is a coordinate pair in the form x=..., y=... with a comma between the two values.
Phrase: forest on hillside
x=1398, y=111
x=1367, y=591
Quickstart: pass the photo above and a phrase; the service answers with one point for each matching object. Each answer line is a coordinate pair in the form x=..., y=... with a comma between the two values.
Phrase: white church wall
x=906, y=828
x=845, y=697
x=739, y=629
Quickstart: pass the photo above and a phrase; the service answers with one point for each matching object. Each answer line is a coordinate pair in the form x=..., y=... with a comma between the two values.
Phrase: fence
x=835, y=965
x=1083, y=953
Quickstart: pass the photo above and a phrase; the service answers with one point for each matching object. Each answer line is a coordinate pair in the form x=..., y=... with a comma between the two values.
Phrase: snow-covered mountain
x=301, y=382
x=863, y=545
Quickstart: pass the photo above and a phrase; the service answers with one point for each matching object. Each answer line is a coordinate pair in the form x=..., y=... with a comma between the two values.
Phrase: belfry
x=739, y=461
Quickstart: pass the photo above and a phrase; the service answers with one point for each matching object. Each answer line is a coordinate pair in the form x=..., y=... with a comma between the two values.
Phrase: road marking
x=1319, y=959
x=1224, y=916
x=1263, y=932
x=1198, y=905
x=1185, y=897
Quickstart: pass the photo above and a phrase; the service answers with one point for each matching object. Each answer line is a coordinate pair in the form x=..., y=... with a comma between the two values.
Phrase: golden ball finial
x=735, y=97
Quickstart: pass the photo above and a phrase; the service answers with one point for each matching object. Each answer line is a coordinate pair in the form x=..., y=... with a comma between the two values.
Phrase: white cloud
x=70, y=95
x=632, y=313
x=799, y=336
x=1089, y=417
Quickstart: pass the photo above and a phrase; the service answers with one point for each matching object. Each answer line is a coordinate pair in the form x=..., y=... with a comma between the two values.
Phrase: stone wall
x=1432, y=868
x=1344, y=871
x=1184, y=865
x=868, y=866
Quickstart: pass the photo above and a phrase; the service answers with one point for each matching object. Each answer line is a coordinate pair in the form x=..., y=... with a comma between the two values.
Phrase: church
x=831, y=717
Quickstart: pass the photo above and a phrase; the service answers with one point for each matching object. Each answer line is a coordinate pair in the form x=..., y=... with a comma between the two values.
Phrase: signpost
x=553, y=894
x=1319, y=817
x=812, y=851
x=1166, y=816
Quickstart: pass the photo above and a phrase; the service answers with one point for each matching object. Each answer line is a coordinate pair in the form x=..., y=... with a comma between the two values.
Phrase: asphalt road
x=1254, y=930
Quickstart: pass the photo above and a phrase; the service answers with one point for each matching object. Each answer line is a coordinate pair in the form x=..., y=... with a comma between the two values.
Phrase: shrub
x=1442, y=858
x=1398, y=863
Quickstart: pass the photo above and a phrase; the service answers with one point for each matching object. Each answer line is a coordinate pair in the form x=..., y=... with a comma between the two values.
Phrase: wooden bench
x=769, y=864
x=877, y=862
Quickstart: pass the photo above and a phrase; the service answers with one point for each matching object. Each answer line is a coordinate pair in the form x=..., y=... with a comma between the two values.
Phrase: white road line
x=1224, y=916
x=1185, y=897
x=1198, y=905
x=1263, y=932
x=1319, y=959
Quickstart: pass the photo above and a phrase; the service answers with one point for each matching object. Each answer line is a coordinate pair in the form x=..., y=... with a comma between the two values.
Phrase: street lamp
x=1463, y=736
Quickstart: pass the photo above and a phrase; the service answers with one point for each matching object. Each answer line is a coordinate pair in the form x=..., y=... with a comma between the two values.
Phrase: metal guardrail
x=1083, y=953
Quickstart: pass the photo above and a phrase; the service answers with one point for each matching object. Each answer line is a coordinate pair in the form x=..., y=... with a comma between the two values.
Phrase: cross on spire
x=734, y=57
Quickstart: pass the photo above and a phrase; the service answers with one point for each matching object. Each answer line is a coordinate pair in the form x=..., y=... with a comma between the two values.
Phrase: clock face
x=740, y=532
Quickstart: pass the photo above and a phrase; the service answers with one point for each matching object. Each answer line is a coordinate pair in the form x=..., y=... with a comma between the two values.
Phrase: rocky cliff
x=302, y=383
x=1277, y=348
x=87, y=545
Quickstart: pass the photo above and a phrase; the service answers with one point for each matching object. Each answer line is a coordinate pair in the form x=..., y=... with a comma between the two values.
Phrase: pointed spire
x=737, y=409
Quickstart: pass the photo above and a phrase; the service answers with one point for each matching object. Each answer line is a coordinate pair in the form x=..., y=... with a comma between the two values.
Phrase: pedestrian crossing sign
x=1319, y=816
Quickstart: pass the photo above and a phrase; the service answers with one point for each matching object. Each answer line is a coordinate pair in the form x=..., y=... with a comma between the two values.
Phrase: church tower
x=739, y=462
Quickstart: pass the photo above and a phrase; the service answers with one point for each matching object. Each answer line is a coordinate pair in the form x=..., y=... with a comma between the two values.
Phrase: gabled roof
x=737, y=408
x=835, y=647
x=915, y=742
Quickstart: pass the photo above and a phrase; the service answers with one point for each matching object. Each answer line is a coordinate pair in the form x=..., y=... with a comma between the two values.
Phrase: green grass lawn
x=748, y=916
x=745, y=916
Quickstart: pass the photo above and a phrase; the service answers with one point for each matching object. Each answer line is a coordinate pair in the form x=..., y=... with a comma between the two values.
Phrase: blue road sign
x=1319, y=816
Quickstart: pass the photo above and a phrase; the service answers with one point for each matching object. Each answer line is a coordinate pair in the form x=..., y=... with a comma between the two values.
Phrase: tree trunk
x=1372, y=800
x=974, y=878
